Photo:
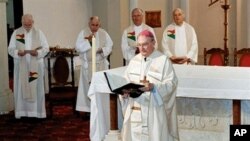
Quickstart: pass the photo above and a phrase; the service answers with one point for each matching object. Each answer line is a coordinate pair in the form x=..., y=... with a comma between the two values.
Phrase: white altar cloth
x=213, y=82
x=99, y=96
x=205, y=82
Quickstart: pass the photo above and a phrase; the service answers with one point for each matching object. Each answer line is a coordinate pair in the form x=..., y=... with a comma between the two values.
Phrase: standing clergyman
x=152, y=115
x=28, y=46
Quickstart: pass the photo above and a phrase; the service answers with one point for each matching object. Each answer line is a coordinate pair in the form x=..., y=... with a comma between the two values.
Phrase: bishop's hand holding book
x=120, y=85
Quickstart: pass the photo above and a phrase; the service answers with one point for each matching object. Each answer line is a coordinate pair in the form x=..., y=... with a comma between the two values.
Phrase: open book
x=119, y=84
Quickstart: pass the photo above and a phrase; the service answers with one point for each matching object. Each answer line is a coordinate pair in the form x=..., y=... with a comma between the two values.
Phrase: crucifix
x=225, y=6
x=145, y=81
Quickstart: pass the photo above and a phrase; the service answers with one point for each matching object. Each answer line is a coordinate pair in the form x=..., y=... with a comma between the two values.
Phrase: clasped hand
x=179, y=60
x=89, y=37
x=24, y=52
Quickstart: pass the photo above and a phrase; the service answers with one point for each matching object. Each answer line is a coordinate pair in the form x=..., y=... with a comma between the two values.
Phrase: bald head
x=96, y=18
x=178, y=10
x=27, y=22
x=94, y=23
x=137, y=10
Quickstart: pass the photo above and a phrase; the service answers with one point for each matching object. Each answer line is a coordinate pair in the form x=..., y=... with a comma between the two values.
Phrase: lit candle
x=93, y=55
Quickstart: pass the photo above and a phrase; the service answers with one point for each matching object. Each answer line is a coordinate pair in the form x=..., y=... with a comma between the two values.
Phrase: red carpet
x=64, y=126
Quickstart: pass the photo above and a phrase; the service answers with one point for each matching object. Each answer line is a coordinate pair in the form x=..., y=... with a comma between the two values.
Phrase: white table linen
x=205, y=82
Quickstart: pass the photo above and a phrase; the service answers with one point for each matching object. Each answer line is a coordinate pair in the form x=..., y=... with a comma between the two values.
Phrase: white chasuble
x=156, y=118
x=29, y=91
x=180, y=41
x=83, y=47
x=139, y=116
x=181, y=44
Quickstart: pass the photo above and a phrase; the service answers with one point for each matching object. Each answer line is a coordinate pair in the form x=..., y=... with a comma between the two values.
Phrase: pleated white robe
x=162, y=118
x=36, y=106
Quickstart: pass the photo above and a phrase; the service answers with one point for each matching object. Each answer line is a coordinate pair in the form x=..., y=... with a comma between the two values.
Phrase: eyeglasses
x=95, y=25
x=143, y=44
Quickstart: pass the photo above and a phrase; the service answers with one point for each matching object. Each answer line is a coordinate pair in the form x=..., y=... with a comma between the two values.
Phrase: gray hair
x=27, y=16
x=137, y=9
x=94, y=17
x=180, y=10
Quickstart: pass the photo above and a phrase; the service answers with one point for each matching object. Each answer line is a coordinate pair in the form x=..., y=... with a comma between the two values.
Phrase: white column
x=6, y=96
x=171, y=5
x=132, y=4
x=184, y=5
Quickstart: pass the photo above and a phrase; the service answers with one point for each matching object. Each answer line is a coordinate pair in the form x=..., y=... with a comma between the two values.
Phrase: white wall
x=209, y=25
x=243, y=24
x=114, y=18
x=60, y=20
x=207, y=21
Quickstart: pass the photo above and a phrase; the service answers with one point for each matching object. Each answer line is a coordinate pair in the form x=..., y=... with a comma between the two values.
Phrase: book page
x=119, y=84
x=115, y=81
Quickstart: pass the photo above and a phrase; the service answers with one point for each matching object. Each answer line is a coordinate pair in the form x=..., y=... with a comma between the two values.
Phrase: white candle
x=93, y=55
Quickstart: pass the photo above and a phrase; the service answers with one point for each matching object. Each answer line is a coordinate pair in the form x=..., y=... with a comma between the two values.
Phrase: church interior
x=222, y=26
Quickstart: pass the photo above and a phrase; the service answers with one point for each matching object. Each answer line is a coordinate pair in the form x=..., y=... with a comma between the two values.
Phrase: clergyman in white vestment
x=83, y=47
x=129, y=35
x=28, y=46
x=152, y=115
x=179, y=41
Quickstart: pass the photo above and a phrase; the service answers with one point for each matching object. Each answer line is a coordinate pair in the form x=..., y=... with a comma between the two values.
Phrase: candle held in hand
x=93, y=54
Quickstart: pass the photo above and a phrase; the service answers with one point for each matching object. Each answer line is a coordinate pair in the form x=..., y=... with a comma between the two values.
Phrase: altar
x=204, y=101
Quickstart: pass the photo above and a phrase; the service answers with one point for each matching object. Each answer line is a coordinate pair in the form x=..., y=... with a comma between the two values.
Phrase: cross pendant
x=145, y=81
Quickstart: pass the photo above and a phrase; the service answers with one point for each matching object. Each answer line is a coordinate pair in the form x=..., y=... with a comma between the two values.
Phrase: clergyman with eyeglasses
x=152, y=115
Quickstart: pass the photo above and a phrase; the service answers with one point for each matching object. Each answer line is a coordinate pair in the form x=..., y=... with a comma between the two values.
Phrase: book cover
x=119, y=84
